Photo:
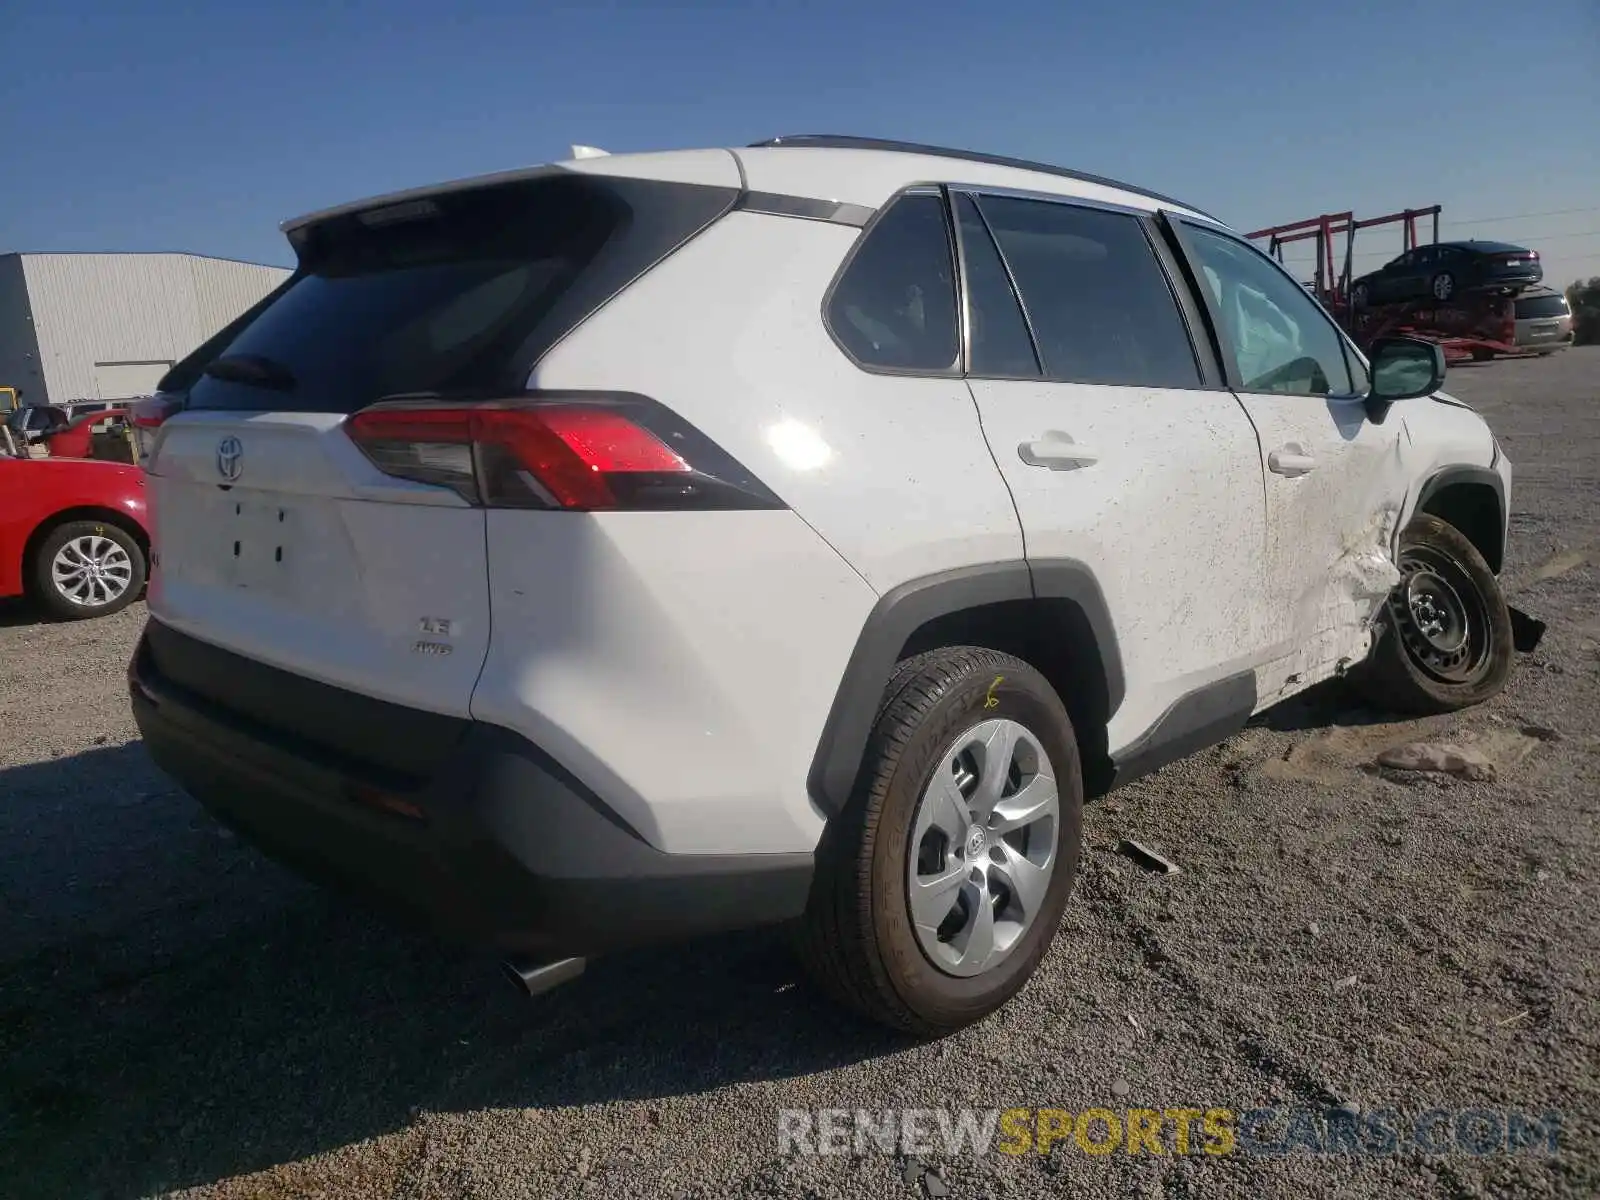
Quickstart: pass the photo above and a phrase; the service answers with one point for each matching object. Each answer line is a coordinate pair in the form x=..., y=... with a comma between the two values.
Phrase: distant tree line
x=1583, y=298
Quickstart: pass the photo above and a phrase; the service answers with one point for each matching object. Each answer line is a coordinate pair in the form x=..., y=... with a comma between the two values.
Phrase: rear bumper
x=1511, y=279
x=1538, y=333
x=490, y=843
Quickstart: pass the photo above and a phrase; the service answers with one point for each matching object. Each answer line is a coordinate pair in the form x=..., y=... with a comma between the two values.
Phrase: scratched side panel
x=1168, y=518
x=1332, y=533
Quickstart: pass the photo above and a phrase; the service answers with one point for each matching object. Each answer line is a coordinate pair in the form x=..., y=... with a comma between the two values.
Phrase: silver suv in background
x=1543, y=320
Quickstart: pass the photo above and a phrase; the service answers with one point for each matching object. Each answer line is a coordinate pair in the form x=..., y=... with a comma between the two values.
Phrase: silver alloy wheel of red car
x=91, y=571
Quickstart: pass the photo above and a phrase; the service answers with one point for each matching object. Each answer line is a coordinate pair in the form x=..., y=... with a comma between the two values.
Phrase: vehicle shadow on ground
x=17, y=611
x=1321, y=707
x=175, y=1010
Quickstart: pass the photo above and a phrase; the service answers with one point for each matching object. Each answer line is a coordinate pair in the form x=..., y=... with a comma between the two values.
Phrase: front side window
x=894, y=307
x=1280, y=337
x=1097, y=299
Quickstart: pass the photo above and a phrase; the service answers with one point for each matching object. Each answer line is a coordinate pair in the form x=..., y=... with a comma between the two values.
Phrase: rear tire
x=1444, y=638
x=87, y=569
x=947, y=721
x=1444, y=286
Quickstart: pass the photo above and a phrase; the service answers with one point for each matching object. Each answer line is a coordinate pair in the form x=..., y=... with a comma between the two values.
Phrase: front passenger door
x=1334, y=481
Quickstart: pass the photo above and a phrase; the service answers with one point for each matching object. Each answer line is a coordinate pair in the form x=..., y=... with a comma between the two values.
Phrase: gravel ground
x=179, y=1016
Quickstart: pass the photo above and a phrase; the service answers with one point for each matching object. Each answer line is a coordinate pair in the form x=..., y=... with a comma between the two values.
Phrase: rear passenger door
x=1122, y=447
x=1335, y=481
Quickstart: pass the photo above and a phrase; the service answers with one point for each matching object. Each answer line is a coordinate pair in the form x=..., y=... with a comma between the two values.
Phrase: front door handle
x=1291, y=460
x=1056, y=451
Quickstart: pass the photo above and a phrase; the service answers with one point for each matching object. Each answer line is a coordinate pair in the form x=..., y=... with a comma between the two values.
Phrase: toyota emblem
x=230, y=458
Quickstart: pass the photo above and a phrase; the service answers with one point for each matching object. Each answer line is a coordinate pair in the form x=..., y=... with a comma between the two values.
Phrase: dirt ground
x=177, y=1015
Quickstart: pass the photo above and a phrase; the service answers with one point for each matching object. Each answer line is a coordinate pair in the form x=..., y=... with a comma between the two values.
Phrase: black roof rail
x=844, y=141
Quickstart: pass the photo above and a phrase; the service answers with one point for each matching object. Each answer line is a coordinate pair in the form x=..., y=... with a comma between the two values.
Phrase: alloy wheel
x=91, y=571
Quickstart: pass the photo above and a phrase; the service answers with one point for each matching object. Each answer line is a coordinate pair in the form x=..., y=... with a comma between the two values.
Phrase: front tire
x=87, y=569
x=940, y=886
x=1444, y=638
x=1444, y=286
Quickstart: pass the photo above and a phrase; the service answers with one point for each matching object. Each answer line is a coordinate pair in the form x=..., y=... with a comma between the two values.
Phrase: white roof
x=866, y=175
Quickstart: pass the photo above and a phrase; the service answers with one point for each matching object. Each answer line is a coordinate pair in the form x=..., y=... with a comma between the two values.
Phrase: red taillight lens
x=574, y=451
x=147, y=416
x=151, y=412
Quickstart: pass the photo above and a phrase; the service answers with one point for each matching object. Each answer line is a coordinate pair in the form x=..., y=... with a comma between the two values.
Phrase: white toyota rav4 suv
x=649, y=545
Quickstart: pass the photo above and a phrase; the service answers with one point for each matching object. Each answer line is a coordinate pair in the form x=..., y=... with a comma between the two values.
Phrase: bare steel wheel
x=1444, y=637
x=1442, y=620
x=982, y=847
x=940, y=885
x=88, y=569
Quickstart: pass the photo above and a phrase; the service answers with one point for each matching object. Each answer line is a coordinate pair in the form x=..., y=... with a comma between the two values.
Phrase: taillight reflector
x=576, y=451
x=151, y=412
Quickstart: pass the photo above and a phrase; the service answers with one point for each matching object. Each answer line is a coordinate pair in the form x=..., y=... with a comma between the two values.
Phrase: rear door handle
x=1291, y=460
x=1056, y=451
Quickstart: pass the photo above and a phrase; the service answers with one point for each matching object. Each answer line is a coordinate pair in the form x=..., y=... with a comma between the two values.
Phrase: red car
x=73, y=533
x=76, y=438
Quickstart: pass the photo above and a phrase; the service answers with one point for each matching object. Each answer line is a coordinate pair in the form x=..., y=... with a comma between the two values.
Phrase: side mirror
x=1402, y=368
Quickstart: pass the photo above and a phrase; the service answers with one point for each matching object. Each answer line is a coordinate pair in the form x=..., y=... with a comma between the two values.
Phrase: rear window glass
x=1541, y=306
x=457, y=293
x=894, y=306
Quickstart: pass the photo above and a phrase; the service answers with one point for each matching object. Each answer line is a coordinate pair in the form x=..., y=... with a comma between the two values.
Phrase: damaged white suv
x=645, y=546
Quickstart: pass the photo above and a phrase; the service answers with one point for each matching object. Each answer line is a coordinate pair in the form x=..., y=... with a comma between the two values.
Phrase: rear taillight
x=147, y=416
x=581, y=451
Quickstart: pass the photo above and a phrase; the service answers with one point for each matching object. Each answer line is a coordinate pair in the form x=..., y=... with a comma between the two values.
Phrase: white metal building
x=107, y=326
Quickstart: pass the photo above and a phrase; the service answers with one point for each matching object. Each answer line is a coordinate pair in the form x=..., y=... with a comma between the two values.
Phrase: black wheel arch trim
x=1480, y=476
x=902, y=611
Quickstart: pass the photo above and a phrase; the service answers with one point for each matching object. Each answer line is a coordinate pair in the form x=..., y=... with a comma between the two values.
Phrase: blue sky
x=138, y=126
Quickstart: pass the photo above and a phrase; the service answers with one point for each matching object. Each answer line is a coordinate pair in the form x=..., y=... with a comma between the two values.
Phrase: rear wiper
x=253, y=369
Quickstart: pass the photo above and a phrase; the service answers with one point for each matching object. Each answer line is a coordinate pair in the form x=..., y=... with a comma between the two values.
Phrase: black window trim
x=1211, y=377
x=965, y=285
x=1176, y=225
x=957, y=369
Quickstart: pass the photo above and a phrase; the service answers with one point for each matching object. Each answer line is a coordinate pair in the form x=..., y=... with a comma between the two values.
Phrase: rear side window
x=1000, y=344
x=457, y=293
x=894, y=306
x=1541, y=306
x=1097, y=299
